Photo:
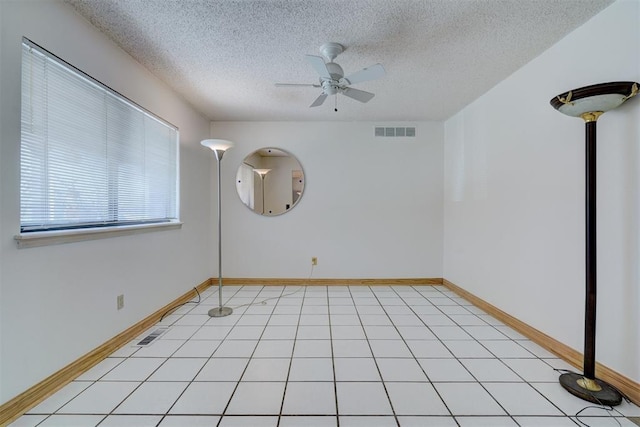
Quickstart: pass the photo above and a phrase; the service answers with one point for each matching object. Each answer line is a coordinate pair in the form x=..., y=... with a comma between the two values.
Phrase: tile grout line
x=500, y=359
x=375, y=360
x=293, y=349
x=130, y=357
x=390, y=311
x=411, y=351
x=333, y=361
x=458, y=359
x=223, y=414
x=189, y=383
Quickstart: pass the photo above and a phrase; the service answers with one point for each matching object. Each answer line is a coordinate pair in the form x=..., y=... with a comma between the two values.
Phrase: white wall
x=58, y=302
x=514, y=193
x=1, y=203
x=372, y=207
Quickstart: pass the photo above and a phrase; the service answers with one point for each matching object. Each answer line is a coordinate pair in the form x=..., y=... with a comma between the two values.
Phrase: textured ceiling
x=225, y=56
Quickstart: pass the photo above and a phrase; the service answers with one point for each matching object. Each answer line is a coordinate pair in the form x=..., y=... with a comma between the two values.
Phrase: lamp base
x=220, y=311
x=591, y=390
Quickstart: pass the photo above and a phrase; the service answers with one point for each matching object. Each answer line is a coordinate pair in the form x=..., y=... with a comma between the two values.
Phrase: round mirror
x=270, y=181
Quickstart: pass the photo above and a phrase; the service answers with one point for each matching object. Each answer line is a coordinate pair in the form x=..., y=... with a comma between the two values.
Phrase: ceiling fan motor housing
x=331, y=50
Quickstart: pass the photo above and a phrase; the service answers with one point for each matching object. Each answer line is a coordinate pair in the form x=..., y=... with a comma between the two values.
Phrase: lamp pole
x=219, y=146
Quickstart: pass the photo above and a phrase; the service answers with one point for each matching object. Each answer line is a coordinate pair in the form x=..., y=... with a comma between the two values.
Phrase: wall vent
x=152, y=337
x=395, y=131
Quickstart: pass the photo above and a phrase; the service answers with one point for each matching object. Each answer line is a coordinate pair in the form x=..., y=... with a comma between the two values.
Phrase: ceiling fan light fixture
x=329, y=88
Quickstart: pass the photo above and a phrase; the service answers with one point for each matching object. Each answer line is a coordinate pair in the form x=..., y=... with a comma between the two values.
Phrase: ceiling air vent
x=152, y=337
x=395, y=131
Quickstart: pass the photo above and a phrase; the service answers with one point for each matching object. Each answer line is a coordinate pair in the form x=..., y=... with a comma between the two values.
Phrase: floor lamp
x=262, y=173
x=219, y=146
x=589, y=103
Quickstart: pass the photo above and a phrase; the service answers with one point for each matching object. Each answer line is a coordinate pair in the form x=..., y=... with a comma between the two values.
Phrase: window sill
x=46, y=238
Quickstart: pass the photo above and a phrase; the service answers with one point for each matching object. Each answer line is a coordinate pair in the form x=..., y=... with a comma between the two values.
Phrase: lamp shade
x=262, y=172
x=596, y=98
x=217, y=144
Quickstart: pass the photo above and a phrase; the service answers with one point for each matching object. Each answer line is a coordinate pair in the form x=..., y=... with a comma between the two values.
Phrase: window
x=89, y=157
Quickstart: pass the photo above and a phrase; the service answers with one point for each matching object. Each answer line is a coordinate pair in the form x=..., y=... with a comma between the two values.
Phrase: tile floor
x=327, y=356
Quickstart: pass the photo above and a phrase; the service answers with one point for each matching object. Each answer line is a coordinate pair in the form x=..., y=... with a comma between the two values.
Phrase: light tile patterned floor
x=327, y=356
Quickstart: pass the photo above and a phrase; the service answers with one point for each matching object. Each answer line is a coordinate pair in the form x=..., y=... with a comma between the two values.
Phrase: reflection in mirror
x=270, y=181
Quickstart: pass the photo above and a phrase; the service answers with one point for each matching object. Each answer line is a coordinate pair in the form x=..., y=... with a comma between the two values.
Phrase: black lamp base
x=595, y=391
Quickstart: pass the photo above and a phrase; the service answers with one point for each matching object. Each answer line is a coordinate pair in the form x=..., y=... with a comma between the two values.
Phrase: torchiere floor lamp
x=219, y=146
x=262, y=173
x=589, y=103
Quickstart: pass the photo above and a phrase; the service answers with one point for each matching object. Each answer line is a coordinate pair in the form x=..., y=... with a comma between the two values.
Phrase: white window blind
x=89, y=157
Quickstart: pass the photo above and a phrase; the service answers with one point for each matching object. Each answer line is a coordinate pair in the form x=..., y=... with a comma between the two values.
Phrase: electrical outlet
x=314, y=260
x=120, y=302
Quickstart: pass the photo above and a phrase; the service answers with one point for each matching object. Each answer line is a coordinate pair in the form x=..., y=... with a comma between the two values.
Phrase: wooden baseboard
x=20, y=404
x=328, y=282
x=570, y=355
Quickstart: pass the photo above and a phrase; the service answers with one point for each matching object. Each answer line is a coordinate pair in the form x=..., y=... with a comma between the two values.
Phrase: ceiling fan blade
x=296, y=85
x=370, y=73
x=319, y=100
x=319, y=65
x=358, y=95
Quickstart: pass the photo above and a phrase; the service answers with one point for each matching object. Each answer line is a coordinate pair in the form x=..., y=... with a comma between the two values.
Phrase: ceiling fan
x=332, y=79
